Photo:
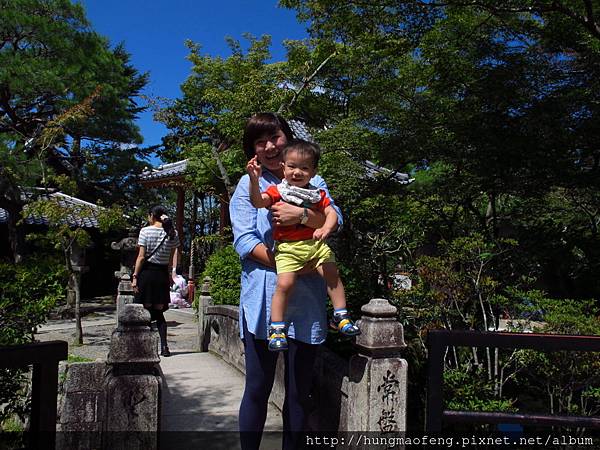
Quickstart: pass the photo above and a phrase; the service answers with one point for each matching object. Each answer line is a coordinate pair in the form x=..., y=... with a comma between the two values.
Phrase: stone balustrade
x=101, y=401
x=366, y=393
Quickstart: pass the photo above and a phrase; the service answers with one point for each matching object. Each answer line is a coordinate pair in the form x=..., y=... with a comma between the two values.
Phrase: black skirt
x=154, y=285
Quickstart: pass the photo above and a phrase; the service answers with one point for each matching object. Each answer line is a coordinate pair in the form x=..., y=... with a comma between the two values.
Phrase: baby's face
x=298, y=169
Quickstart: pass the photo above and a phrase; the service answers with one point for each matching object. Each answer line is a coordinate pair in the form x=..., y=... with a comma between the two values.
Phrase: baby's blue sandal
x=343, y=324
x=277, y=340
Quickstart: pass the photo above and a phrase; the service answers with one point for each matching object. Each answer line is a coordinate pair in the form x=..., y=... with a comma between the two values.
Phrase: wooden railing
x=44, y=356
x=439, y=340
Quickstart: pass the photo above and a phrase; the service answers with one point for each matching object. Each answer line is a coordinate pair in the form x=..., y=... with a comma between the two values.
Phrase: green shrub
x=224, y=269
x=28, y=291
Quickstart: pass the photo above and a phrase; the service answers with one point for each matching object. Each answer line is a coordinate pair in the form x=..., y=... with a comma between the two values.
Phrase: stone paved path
x=201, y=392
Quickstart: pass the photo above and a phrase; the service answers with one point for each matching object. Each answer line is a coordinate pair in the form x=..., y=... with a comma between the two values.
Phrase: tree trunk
x=78, y=330
x=16, y=235
x=71, y=292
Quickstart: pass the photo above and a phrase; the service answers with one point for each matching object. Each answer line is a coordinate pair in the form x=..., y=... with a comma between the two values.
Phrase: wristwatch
x=304, y=218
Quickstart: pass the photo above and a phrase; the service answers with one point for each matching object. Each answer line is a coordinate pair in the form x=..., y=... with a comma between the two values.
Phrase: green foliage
x=224, y=268
x=77, y=359
x=218, y=97
x=492, y=107
x=68, y=106
x=470, y=391
x=28, y=292
x=570, y=379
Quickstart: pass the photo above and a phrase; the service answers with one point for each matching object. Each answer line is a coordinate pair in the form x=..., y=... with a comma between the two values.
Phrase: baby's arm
x=331, y=224
x=258, y=199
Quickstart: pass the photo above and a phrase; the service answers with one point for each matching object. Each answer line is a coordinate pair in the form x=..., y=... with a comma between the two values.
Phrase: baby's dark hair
x=159, y=213
x=304, y=148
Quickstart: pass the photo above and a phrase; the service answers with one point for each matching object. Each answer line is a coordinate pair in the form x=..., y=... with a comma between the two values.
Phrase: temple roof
x=372, y=170
x=165, y=172
x=174, y=173
x=84, y=214
x=300, y=130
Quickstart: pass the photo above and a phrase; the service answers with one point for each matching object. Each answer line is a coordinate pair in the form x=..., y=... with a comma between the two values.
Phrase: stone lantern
x=128, y=249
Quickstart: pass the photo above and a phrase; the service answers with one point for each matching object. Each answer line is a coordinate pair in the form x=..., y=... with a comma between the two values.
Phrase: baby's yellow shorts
x=292, y=256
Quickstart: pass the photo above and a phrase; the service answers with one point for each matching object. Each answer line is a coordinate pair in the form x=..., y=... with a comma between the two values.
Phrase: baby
x=296, y=245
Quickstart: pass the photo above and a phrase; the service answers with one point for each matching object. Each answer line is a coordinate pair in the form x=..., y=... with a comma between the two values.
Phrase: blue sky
x=154, y=32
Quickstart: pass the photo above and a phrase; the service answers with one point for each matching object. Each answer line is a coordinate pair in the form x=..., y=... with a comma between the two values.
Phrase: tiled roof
x=84, y=214
x=179, y=168
x=373, y=170
x=165, y=171
x=300, y=131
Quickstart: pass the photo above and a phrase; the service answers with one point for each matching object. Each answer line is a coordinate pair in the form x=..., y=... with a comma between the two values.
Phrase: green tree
x=71, y=240
x=220, y=94
x=50, y=62
x=28, y=292
x=494, y=108
x=502, y=94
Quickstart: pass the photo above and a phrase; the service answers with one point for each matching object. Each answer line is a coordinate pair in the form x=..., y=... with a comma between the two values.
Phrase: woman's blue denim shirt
x=306, y=312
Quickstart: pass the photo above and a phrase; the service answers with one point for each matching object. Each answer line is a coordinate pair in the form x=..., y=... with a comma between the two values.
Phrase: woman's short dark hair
x=304, y=148
x=260, y=124
x=159, y=213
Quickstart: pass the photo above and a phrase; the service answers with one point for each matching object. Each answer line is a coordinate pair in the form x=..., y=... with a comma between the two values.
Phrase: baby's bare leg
x=285, y=284
x=335, y=288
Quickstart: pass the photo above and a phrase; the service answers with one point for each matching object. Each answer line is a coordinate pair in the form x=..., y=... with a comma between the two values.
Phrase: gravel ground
x=99, y=323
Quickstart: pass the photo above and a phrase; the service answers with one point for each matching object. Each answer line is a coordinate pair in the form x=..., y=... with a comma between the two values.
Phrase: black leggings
x=260, y=374
x=156, y=314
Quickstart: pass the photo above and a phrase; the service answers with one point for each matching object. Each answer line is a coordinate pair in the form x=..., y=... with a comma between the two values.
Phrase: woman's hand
x=286, y=214
x=253, y=168
x=134, y=285
x=263, y=255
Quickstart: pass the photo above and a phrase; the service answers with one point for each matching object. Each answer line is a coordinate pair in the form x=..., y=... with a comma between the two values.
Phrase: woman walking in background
x=157, y=245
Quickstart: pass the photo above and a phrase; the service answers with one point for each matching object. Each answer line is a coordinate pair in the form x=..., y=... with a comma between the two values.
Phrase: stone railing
x=101, y=399
x=367, y=392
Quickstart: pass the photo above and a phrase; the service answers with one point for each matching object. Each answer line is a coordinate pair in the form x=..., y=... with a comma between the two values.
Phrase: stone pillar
x=132, y=383
x=378, y=376
x=125, y=295
x=204, y=300
x=128, y=248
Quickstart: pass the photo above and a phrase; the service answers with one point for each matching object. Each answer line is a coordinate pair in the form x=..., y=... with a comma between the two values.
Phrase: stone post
x=128, y=249
x=204, y=300
x=133, y=383
x=125, y=295
x=378, y=376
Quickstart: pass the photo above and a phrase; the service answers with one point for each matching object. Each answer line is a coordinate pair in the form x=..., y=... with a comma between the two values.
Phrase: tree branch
x=305, y=82
x=224, y=175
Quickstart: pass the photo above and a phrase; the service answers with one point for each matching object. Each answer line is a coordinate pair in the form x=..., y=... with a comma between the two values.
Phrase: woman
x=265, y=136
x=157, y=245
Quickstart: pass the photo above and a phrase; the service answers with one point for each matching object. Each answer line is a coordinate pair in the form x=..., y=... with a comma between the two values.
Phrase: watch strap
x=304, y=218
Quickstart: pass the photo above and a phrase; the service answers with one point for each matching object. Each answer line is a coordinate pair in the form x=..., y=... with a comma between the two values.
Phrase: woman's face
x=268, y=149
